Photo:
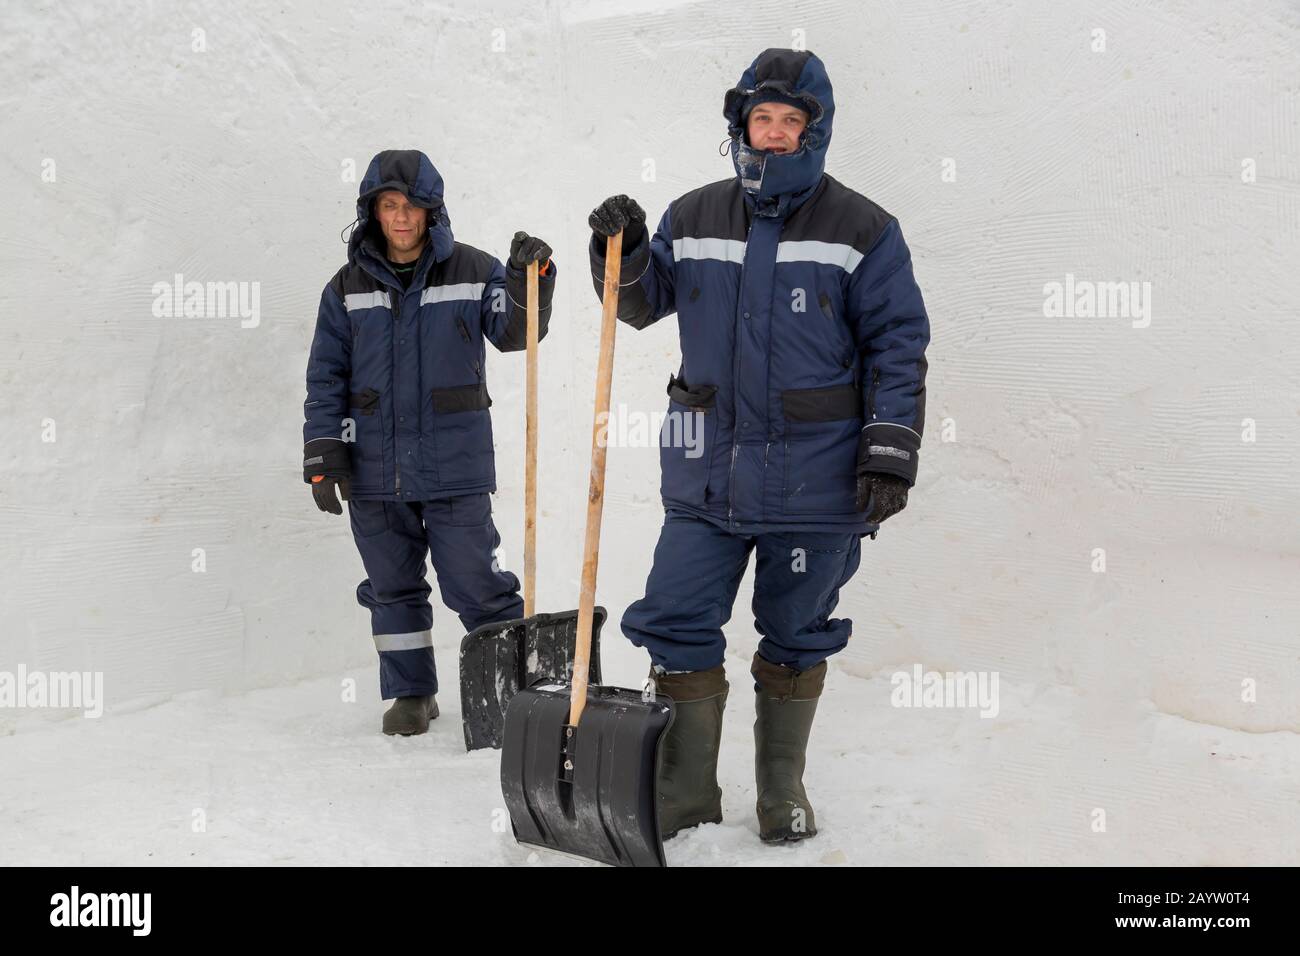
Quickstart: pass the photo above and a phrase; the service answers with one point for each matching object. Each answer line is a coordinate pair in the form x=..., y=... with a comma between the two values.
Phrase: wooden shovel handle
x=596, y=494
x=530, y=449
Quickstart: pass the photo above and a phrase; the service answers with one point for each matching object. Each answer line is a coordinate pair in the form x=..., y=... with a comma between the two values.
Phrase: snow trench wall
x=1106, y=503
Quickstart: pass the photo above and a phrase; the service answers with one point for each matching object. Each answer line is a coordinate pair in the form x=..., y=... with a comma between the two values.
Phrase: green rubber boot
x=410, y=715
x=688, y=758
x=785, y=702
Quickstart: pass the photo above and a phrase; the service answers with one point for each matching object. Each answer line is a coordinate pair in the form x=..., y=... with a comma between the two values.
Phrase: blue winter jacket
x=397, y=394
x=802, y=329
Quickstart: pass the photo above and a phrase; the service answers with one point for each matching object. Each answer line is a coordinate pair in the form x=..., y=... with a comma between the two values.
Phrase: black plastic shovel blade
x=590, y=793
x=498, y=660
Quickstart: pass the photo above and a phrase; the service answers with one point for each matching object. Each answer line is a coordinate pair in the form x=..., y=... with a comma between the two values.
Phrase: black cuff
x=889, y=449
x=326, y=456
x=633, y=233
x=633, y=308
x=636, y=258
x=517, y=287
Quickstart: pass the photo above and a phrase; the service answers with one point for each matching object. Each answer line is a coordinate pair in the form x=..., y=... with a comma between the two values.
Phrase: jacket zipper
x=871, y=413
x=397, y=458
x=731, y=483
x=735, y=386
x=396, y=295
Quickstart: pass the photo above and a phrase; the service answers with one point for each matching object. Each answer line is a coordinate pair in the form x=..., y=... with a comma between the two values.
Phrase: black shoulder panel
x=352, y=278
x=465, y=264
x=837, y=214
x=715, y=211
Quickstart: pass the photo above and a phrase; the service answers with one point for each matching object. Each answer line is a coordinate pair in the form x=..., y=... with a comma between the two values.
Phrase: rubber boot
x=410, y=715
x=688, y=758
x=785, y=702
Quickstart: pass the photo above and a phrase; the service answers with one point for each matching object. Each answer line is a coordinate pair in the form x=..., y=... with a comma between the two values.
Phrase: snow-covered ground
x=1105, y=515
x=296, y=775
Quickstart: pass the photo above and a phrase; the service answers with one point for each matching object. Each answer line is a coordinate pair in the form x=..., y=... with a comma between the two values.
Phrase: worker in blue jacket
x=397, y=416
x=803, y=338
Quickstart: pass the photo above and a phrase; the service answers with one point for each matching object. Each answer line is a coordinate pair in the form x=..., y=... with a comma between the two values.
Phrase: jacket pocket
x=462, y=432
x=686, y=441
x=367, y=414
x=831, y=404
x=824, y=301
x=820, y=447
x=702, y=397
x=366, y=402
x=462, y=398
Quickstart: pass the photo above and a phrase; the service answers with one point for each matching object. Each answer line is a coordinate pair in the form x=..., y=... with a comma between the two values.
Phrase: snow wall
x=1105, y=503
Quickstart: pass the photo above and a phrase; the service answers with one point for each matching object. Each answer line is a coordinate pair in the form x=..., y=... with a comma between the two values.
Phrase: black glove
x=525, y=249
x=615, y=213
x=886, y=493
x=327, y=465
x=322, y=489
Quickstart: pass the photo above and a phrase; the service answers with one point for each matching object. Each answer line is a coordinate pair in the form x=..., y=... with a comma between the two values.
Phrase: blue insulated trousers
x=458, y=536
x=693, y=583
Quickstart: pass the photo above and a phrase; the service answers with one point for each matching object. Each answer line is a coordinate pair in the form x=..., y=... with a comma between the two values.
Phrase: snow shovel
x=578, y=760
x=497, y=659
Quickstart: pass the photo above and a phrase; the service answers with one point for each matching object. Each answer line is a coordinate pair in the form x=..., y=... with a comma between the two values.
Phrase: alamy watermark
x=627, y=428
x=75, y=908
x=922, y=688
x=1085, y=299
x=53, y=689
x=208, y=300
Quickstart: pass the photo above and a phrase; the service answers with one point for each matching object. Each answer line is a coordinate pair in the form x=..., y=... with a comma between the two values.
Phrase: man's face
x=776, y=127
x=404, y=225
